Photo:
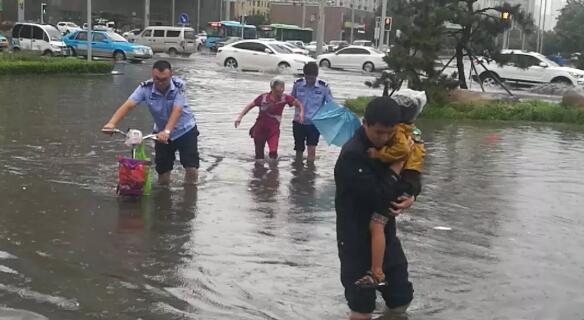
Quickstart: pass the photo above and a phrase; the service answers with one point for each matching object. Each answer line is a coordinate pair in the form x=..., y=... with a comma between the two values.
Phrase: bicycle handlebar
x=118, y=131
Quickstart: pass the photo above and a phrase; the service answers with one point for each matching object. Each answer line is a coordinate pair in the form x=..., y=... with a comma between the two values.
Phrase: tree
x=430, y=26
x=479, y=29
x=414, y=54
x=569, y=27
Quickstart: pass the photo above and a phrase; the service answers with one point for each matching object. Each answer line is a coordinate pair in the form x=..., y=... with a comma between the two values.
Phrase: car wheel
x=283, y=66
x=562, y=81
x=48, y=53
x=324, y=63
x=73, y=52
x=15, y=49
x=489, y=79
x=172, y=52
x=119, y=56
x=230, y=63
x=199, y=47
x=368, y=67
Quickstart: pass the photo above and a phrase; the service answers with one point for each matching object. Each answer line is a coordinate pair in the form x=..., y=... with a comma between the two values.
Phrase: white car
x=261, y=55
x=132, y=34
x=36, y=37
x=354, y=57
x=294, y=48
x=528, y=68
x=297, y=43
x=173, y=40
x=363, y=43
x=67, y=27
x=335, y=45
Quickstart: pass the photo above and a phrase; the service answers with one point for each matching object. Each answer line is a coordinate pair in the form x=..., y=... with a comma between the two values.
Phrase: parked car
x=228, y=40
x=260, y=55
x=3, y=43
x=132, y=34
x=298, y=43
x=294, y=48
x=363, y=43
x=172, y=40
x=335, y=45
x=36, y=37
x=107, y=45
x=528, y=68
x=67, y=27
x=354, y=57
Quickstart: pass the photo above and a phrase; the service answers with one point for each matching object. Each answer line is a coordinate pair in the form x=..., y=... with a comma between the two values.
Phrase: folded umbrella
x=336, y=123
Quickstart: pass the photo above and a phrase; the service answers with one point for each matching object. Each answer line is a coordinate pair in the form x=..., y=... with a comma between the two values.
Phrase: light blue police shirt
x=161, y=105
x=312, y=97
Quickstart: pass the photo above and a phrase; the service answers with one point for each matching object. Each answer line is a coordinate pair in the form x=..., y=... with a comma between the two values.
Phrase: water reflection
x=302, y=188
x=265, y=182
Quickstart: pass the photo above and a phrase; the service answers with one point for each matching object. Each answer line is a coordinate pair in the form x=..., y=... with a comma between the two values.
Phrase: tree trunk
x=460, y=66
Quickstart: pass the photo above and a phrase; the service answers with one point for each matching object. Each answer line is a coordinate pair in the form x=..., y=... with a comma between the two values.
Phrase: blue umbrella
x=336, y=123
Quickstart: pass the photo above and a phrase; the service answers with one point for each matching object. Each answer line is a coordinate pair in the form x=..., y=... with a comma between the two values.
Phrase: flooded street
x=497, y=233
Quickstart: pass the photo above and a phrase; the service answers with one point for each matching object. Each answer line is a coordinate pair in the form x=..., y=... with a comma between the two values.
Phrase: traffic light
x=388, y=22
x=44, y=9
x=505, y=15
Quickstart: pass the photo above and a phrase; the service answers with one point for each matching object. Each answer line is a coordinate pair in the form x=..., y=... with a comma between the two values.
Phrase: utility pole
x=198, y=15
x=543, y=27
x=89, y=33
x=303, y=14
x=20, y=10
x=172, y=15
x=382, y=26
x=320, y=31
x=227, y=10
x=43, y=12
x=146, y=13
x=352, y=20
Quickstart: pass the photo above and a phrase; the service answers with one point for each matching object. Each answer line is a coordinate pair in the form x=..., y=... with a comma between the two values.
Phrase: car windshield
x=116, y=37
x=546, y=60
x=54, y=34
x=280, y=48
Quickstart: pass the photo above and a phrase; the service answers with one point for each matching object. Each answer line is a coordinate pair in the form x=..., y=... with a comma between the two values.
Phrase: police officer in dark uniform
x=366, y=186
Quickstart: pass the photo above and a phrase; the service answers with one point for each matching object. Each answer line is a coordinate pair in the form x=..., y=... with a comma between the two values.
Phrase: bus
x=219, y=30
x=285, y=32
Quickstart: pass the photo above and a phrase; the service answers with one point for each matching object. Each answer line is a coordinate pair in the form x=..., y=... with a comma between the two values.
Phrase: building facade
x=251, y=8
x=337, y=19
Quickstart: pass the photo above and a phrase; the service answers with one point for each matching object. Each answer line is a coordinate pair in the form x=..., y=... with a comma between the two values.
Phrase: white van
x=43, y=38
x=173, y=40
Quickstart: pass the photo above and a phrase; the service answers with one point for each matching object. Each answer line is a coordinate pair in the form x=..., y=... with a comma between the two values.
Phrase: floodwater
x=497, y=234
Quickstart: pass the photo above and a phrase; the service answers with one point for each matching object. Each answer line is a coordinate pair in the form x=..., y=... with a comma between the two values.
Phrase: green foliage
x=537, y=111
x=569, y=27
x=479, y=29
x=28, y=63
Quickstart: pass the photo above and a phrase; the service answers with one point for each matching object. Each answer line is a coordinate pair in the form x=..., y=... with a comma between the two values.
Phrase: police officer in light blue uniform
x=313, y=93
x=174, y=122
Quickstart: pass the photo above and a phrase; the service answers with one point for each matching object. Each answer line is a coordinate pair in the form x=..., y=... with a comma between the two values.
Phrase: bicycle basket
x=132, y=176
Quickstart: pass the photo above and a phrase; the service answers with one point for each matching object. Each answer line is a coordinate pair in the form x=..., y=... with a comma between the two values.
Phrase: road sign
x=183, y=18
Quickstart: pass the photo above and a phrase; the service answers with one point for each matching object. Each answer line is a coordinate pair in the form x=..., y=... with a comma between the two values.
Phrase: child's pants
x=266, y=131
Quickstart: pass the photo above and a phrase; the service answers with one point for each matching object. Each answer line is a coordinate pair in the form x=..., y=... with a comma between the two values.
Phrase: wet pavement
x=497, y=234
